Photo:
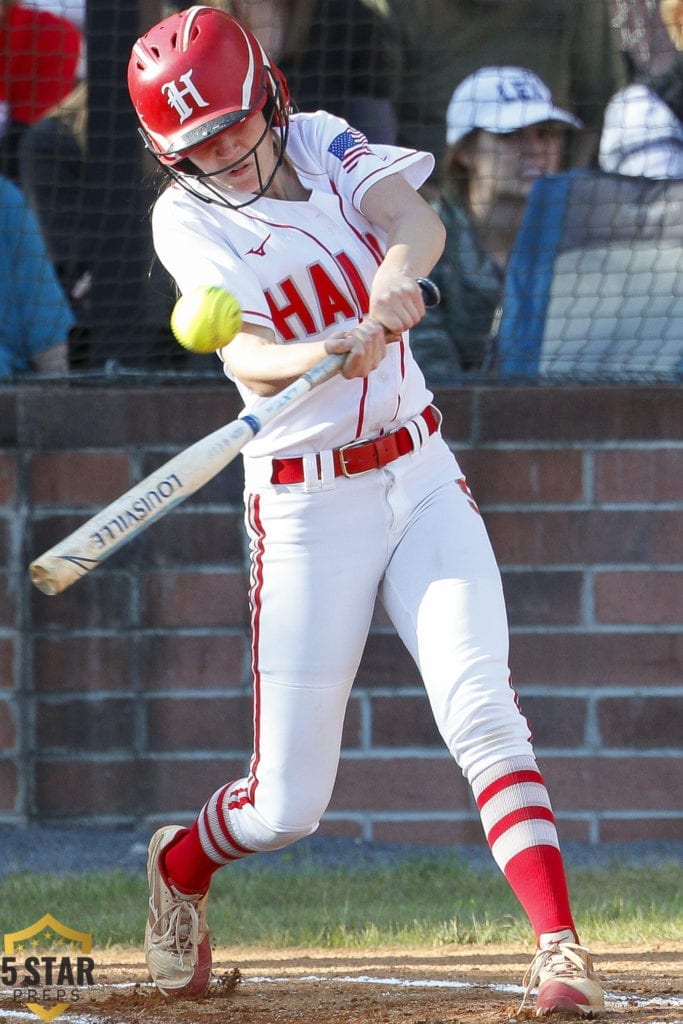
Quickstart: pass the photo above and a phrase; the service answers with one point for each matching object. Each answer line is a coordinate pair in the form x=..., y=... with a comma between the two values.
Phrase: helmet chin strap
x=220, y=194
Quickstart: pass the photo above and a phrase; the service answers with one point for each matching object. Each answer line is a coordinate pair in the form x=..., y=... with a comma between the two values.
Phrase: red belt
x=359, y=456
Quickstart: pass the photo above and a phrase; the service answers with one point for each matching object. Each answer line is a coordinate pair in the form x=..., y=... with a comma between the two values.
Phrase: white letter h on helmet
x=176, y=96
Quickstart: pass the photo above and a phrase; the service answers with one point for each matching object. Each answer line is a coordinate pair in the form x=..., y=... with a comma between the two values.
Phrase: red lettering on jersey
x=296, y=307
x=355, y=280
x=332, y=302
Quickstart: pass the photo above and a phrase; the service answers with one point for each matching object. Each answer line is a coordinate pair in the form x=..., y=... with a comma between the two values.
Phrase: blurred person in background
x=52, y=174
x=643, y=126
x=642, y=136
x=504, y=131
x=570, y=44
x=644, y=40
x=338, y=55
x=39, y=59
x=36, y=317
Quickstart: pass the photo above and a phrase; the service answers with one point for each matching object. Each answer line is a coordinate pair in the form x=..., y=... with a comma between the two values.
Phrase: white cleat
x=177, y=941
x=566, y=981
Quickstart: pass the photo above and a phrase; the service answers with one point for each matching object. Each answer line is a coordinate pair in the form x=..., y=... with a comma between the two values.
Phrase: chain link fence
x=594, y=286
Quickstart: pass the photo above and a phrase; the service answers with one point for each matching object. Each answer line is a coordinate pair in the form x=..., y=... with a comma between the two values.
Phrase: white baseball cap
x=641, y=135
x=501, y=100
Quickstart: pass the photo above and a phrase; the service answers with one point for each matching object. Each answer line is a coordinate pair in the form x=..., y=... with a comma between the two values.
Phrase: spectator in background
x=570, y=44
x=338, y=55
x=35, y=318
x=644, y=41
x=503, y=132
x=39, y=55
x=52, y=171
x=643, y=126
x=642, y=136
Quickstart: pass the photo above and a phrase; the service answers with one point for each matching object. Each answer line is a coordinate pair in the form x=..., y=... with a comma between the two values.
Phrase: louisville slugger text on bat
x=146, y=502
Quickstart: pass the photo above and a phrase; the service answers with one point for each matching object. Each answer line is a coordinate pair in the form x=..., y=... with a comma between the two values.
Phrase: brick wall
x=125, y=700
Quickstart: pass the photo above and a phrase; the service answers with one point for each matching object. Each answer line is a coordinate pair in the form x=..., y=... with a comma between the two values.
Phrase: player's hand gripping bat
x=183, y=475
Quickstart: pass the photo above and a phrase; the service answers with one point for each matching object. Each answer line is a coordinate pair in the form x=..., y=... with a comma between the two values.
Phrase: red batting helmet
x=197, y=73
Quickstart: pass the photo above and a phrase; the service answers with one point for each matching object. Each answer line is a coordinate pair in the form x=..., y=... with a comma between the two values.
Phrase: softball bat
x=150, y=499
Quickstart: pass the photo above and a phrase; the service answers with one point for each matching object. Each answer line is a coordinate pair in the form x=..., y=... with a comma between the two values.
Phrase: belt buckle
x=342, y=461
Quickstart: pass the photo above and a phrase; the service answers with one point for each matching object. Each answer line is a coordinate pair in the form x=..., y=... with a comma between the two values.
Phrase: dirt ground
x=445, y=985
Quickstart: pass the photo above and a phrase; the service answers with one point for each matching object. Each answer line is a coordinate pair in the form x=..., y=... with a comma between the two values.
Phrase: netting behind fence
x=582, y=282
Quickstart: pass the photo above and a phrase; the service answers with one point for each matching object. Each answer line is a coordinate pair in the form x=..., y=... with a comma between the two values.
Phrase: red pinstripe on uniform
x=211, y=840
x=256, y=586
x=361, y=408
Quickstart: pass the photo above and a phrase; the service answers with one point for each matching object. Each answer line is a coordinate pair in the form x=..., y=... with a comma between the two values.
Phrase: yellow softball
x=206, y=318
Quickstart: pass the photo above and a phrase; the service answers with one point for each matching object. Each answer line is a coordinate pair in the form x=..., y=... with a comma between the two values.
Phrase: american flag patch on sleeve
x=349, y=147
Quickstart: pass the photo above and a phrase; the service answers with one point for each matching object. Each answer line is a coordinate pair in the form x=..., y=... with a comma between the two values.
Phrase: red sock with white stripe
x=191, y=861
x=520, y=829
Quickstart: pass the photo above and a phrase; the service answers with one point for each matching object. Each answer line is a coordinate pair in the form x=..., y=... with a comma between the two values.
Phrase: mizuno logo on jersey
x=349, y=147
x=261, y=250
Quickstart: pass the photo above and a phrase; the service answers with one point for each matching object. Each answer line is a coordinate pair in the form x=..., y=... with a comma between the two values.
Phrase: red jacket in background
x=39, y=55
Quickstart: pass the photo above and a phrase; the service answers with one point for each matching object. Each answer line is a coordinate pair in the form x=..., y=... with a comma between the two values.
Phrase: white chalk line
x=613, y=1000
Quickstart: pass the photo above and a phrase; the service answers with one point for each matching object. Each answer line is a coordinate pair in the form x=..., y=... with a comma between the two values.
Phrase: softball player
x=351, y=495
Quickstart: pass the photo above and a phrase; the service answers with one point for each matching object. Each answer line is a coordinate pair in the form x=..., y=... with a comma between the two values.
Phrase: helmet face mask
x=195, y=75
x=186, y=172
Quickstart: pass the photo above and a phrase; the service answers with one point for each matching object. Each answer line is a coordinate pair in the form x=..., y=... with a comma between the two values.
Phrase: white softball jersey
x=304, y=280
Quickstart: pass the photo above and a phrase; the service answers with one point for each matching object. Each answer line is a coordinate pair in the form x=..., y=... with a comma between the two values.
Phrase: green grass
x=418, y=902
